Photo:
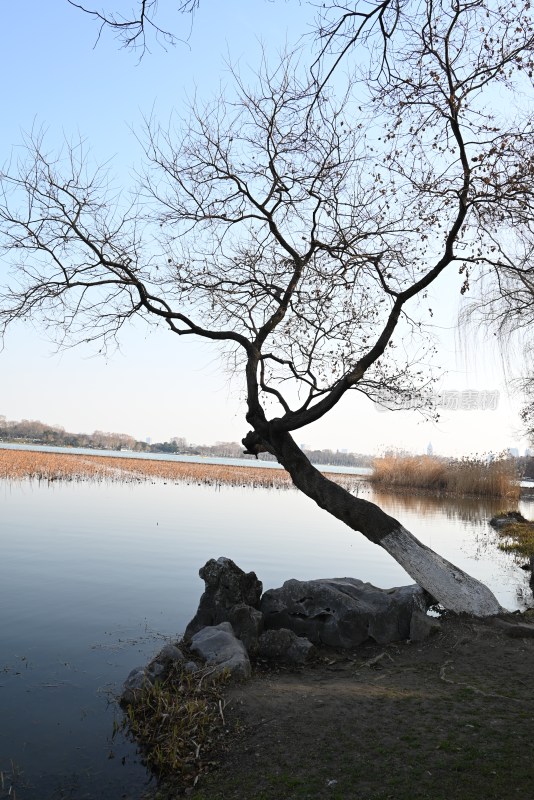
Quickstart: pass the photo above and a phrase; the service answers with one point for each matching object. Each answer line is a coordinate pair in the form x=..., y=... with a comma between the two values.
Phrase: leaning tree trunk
x=449, y=585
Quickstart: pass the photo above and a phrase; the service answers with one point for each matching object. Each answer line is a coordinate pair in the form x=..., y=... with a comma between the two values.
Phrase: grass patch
x=176, y=722
x=518, y=538
x=467, y=476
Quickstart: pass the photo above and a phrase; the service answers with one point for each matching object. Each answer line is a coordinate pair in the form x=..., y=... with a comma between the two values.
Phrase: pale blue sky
x=158, y=385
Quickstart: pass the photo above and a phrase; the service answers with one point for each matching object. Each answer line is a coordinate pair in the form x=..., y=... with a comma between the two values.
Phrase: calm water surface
x=95, y=577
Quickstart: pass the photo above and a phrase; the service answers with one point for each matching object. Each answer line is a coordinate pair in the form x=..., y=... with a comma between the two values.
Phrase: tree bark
x=449, y=585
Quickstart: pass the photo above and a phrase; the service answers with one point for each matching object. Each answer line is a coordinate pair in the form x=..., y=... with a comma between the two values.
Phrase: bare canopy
x=135, y=30
x=299, y=226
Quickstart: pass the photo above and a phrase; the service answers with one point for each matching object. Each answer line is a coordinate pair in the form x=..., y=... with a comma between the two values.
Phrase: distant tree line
x=30, y=431
x=33, y=431
x=235, y=450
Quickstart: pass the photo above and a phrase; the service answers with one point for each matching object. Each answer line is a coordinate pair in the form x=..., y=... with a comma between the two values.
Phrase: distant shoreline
x=39, y=434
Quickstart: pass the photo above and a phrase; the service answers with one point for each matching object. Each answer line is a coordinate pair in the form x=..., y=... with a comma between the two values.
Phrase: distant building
x=514, y=452
x=429, y=449
x=148, y=440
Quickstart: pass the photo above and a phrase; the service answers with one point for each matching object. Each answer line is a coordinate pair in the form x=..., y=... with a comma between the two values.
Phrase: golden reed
x=468, y=476
x=24, y=464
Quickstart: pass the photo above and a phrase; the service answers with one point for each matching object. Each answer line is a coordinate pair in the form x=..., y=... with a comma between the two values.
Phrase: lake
x=96, y=577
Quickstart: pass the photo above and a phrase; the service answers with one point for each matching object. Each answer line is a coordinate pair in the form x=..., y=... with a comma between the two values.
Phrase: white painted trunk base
x=452, y=587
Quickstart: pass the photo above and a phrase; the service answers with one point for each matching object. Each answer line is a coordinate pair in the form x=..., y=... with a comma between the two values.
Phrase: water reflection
x=94, y=577
x=474, y=510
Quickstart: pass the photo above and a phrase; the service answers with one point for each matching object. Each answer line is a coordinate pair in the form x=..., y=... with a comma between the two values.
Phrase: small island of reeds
x=478, y=477
x=517, y=535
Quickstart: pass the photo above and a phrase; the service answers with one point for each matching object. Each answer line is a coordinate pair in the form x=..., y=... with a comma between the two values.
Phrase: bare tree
x=299, y=231
x=136, y=30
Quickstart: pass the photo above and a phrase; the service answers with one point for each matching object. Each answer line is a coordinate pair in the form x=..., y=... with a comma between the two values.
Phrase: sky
x=158, y=385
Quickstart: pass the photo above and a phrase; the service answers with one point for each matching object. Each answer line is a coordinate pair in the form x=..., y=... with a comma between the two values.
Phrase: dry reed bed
x=468, y=476
x=23, y=464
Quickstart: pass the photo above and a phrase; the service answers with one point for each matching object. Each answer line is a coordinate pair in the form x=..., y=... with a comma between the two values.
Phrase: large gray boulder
x=230, y=595
x=342, y=612
x=218, y=647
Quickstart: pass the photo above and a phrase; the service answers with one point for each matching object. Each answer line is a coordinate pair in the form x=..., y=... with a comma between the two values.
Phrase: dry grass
x=36, y=465
x=20, y=464
x=469, y=476
x=177, y=723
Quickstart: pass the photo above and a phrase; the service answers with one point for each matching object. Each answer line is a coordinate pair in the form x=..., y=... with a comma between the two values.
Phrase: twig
x=206, y=674
x=374, y=661
x=221, y=709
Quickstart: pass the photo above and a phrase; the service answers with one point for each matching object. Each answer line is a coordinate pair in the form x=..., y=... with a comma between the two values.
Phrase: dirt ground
x=452, y=717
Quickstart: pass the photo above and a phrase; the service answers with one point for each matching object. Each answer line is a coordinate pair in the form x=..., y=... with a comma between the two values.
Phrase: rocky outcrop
x=230, y=595
x=232, y=615
x=343, y=612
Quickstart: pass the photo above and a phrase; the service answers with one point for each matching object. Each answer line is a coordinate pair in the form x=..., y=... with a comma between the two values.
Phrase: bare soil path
x=452, y=717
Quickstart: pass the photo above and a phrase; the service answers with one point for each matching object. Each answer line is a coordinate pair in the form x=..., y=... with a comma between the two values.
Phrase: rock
x=247, y=624
x=158, y=669
x=155, y=671
x=170, y=654
x=231, y=595
x=137, y=680
x=342, y=612
x=284, y=646
x=422, y=626
x=219, y=647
